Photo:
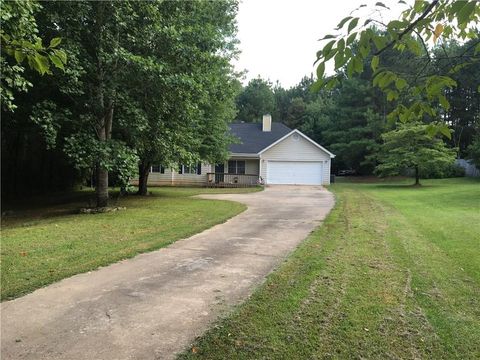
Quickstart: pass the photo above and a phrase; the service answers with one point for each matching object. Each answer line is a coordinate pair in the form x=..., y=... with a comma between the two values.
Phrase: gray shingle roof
x=253, y=139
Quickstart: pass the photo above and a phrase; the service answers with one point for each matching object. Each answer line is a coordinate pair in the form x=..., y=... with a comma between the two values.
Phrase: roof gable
x=304, y=137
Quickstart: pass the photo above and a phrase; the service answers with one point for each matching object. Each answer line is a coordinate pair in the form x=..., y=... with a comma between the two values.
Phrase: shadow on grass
x=402, y=186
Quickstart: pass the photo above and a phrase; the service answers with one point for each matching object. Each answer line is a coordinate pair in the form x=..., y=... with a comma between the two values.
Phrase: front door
x=219, y=171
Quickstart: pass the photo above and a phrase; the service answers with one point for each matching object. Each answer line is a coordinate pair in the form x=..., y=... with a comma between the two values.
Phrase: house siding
x=290, y=149
x=171, y=177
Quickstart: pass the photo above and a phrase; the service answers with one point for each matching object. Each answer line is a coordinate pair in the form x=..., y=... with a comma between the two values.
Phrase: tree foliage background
x=145, y=82
x=422, y=67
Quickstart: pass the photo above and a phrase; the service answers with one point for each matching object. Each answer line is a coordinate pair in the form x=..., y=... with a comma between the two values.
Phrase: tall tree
x=463, y=114
x=184, y=94
x=255, y=100
x=100, y=40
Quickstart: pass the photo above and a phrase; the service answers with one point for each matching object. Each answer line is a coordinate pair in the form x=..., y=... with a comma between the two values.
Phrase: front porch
x=240, y=172
x=225, y=180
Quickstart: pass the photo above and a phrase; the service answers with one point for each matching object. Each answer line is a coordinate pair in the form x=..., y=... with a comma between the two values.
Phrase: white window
x=157, y=169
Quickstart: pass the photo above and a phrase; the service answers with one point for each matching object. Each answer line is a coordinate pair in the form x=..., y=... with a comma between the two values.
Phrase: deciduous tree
x=409, y=146
x=423, y=22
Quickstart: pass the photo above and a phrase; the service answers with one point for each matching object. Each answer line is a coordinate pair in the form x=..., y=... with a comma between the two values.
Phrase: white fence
x=470, y=169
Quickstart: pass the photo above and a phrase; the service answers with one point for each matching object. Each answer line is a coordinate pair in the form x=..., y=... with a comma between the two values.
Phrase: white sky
x=279, y=38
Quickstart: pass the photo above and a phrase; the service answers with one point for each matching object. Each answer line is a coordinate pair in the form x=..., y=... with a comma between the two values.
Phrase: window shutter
x=199, y=169
x=180, y=170
x=162, y=169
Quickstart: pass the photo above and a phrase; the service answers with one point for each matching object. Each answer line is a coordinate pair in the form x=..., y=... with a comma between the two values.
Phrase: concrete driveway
x=154, y=305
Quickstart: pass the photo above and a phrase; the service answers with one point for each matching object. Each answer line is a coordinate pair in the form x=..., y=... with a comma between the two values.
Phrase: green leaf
x=55, y=42
x=445, y=130
x=19, y=56
x=364, y=51
x=386, y=80
x=418, y=7
x=317, y=85
x=392, y=95
x=341, y=23
x=400, y=83
x=357, y=65
x=340, y=60
x=41, y=63
x=379, y=41
x=331, y=54
x=352, y=24
x=331, y=83
x=396, y=24
x=351, y=38
x=328, y=47
x=374, y=63
x=381, y=5
x=327, y=37
x=56, y=61
x=38, y=44
x=61, y=55
x=465, y=12
x=320, y=70
x=444, y=102
x=350, y=68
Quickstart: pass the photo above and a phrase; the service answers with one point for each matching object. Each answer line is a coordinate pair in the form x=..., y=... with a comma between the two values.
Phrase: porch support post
x=259, y=167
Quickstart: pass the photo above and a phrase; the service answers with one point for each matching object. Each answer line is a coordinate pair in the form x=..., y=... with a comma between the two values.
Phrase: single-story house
x=267, y=153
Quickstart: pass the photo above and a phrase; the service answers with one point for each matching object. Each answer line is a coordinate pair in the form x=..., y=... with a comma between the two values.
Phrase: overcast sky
x=278, y=38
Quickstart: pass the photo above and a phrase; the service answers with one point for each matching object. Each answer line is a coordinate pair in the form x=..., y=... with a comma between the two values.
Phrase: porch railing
x=233, y=180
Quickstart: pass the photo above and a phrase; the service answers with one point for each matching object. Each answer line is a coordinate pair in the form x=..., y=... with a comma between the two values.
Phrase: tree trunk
x=102, y=187
x=104, y=134
x=417, y=176
x=143, y=171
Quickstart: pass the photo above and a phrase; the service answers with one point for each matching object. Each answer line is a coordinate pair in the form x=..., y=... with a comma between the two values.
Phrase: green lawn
x=45, y=244
x=393, y=273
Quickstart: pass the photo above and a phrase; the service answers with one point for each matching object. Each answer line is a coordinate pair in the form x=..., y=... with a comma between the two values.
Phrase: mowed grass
x=47, y=244
x=393, y=273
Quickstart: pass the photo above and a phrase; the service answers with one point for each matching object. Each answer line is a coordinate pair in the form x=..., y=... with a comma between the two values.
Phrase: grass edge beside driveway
x=381, y=278
x=40, y=250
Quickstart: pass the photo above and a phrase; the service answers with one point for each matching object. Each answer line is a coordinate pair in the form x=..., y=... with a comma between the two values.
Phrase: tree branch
x=409, y=27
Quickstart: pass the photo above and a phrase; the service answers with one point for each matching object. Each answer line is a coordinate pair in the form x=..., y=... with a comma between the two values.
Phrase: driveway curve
x=154, y=305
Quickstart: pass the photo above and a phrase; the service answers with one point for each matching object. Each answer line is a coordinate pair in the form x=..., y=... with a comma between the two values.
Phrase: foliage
x=355, y=126
x=255, y=100
x=86, y=152
x=183, y=96
x=417, y=92
x=409, y=146
x=19, y=41
x=148, y=82
x=474, y=151
x=463, y=115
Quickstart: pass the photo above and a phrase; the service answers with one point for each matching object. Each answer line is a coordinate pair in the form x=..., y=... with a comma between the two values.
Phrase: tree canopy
x=146, y=82
x=410, y=147
x=418, y=91
x=255, y=100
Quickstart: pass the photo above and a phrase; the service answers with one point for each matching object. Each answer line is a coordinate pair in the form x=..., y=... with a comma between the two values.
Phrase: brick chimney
x=267, y=122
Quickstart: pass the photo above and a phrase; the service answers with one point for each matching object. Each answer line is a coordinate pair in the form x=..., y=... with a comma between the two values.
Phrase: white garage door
x=293, y=172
